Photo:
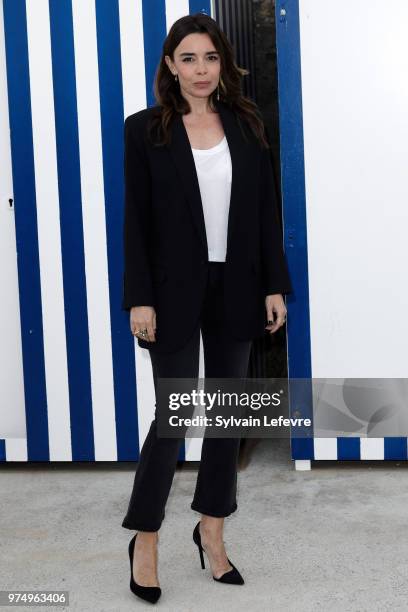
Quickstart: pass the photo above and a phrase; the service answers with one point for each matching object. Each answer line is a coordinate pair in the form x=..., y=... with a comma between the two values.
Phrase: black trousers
x=216, y=487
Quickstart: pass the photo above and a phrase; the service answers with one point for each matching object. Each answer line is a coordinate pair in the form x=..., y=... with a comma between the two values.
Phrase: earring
x=220, y=82
x=176, y=78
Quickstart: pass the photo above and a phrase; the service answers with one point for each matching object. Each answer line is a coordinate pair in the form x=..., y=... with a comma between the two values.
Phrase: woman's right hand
x=143, y=317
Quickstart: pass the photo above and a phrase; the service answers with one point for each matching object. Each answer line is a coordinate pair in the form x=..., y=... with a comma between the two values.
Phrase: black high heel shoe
x=150, y=594
x=231, y=577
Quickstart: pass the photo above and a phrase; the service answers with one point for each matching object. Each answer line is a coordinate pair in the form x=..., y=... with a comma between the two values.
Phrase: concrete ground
x=333, y=538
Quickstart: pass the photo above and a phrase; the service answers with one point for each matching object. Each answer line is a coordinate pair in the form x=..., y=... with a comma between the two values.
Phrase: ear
x=169, y=63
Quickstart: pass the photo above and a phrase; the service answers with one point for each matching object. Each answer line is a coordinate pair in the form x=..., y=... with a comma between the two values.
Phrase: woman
x=203, y=252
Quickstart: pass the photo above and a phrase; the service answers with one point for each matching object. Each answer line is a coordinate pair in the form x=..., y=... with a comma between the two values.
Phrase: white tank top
x=214, y=172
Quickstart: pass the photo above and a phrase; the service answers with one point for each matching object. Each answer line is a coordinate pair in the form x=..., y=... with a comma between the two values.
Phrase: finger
x=272, y=328
x=280, y=320
x=136, y=332
x=269, y=315
x=139, y=326
x=150, y=332
x=276, y=325
x=133, y=327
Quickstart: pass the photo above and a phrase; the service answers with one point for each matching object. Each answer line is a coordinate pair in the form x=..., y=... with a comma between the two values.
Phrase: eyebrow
x=207, y=53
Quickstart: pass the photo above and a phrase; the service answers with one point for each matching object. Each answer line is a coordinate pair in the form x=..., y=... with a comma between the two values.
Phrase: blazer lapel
x=182, y=155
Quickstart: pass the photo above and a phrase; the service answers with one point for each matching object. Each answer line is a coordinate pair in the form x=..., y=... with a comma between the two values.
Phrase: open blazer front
x=165, y=243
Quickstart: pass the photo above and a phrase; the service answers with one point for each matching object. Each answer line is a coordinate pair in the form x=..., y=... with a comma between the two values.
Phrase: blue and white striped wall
x=75, y=69
x=344, y=148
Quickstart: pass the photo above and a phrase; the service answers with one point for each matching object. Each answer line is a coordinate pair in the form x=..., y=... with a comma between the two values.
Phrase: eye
x=213, y=57
x=186, y=59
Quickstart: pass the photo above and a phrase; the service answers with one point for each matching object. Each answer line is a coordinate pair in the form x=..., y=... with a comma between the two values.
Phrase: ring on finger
x=142, y=333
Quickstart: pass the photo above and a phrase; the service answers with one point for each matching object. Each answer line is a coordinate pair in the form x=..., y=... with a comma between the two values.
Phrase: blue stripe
x=22, y=156
x=395, y=448
x=2, y=450
x=294, y=205
x=348, y=449
x=154, y=33
x=72, y=237
x=293, y=188
x=112, y=118
x=301, y=405
x=200, y=6
x=195, y=6
x=302, y=448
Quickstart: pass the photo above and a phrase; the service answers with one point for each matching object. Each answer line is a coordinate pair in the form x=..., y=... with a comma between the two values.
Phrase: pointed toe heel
x=231, y=577
x=150, y=594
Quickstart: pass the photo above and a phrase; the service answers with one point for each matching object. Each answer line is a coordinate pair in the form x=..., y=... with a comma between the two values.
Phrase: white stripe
x=93, y=212
x=193, y=446
x=46, y=186
x=145, y=391
x=132, y=52
x=134, y=99
x=372, y=448
x=325, y=448
x=12, y=409
x=303, y=465
x=16, y=449
x=174, y=10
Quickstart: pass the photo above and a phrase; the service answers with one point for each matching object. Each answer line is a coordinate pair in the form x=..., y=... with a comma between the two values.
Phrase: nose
x=201, y=66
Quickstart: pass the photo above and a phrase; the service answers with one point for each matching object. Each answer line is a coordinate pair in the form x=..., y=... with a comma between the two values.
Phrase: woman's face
x=197, y=64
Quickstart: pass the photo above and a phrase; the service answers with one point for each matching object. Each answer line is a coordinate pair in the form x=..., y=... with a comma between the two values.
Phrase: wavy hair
x=167, y=91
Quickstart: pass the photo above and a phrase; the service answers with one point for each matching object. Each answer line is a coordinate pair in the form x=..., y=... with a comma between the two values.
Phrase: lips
x=202, y=83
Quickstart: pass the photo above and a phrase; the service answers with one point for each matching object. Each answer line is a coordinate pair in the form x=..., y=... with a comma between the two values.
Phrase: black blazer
x=165, y=244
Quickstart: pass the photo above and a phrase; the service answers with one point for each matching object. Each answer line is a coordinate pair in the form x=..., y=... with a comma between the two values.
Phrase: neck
x=199, y=106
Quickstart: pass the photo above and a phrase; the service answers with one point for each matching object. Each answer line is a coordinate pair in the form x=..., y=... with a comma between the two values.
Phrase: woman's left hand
x=275, y=305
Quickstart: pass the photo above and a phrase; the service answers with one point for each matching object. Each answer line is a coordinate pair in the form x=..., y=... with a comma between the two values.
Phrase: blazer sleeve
x=137, y=282
x=275, y=273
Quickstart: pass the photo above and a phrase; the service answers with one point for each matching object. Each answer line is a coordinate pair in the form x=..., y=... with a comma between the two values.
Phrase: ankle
x=212, y=525
x=148, y=537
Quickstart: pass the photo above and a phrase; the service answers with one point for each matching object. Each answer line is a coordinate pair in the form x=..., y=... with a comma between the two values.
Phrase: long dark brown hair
x=167, y=90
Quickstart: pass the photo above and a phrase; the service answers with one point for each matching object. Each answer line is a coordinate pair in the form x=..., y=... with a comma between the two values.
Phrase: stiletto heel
x=150, y=594
x=231, y=577
x=200, y=550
